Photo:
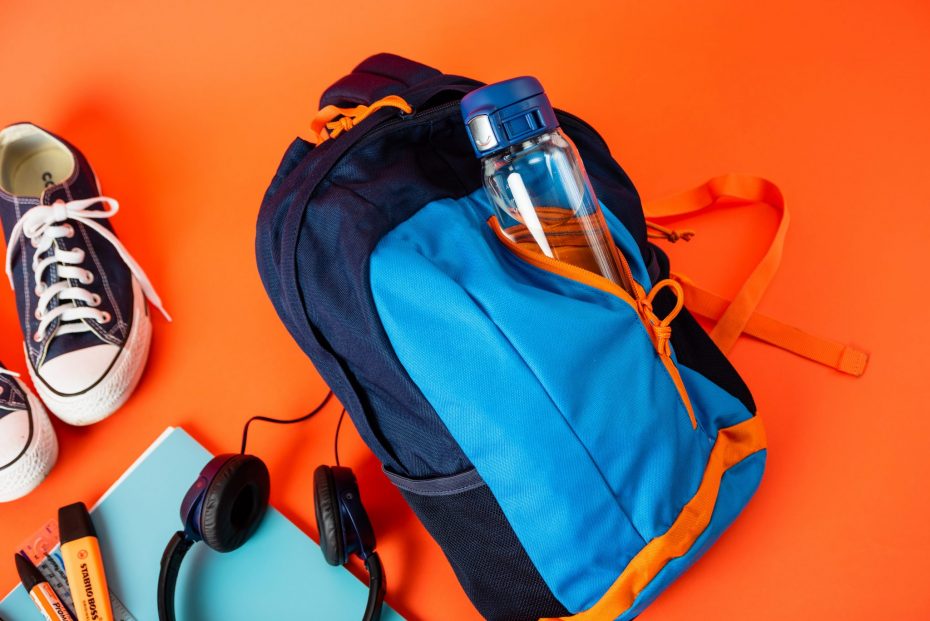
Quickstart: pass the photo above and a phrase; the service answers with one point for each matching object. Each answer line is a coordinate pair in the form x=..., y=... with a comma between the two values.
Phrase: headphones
x=226, y=503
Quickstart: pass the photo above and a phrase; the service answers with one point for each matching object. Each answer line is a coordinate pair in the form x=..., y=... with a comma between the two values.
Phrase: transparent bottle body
x=544, y=201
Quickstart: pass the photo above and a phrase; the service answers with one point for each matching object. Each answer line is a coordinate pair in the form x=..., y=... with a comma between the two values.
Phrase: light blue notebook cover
x=279, y=574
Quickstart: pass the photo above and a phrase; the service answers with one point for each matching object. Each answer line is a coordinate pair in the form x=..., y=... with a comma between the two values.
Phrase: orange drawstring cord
x=660, y=232
x=662, y=332
x=661, y=327
x=332, y=120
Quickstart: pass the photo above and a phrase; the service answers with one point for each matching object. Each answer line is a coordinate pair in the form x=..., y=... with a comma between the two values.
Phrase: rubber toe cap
x=14, y=435
x=80, y=370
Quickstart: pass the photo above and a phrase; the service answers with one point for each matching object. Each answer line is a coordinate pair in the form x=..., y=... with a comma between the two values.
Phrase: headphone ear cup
x=235, y=502
x=328, y=516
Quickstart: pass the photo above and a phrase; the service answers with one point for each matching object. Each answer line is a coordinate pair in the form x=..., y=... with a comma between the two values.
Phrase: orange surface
x=186, y=110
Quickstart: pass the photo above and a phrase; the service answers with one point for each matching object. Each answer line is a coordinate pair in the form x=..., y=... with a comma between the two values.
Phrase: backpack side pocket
x=461, y=514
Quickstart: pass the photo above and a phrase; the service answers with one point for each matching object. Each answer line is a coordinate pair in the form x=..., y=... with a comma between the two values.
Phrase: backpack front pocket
x=551, y=387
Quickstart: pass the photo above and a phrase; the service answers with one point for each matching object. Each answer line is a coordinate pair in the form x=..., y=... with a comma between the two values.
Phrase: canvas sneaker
x=28, y=447
x=81, y=296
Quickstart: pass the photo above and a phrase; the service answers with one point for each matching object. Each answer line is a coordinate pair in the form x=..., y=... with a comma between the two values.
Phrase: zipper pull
x=657, y=231
x=662, y=336
x=332, y=120
x=660, y=327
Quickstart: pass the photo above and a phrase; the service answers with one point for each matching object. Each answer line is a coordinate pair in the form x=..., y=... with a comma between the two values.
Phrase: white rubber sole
x=25, y=474
x=112, y=392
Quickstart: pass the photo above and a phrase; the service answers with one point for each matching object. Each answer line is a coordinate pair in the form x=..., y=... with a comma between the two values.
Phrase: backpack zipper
x=403, y=118
x=449, y=105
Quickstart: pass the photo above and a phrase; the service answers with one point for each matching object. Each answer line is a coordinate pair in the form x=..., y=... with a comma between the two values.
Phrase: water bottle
x=535, y=179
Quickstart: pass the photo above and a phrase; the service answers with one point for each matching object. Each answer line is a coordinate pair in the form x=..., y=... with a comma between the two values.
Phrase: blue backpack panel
x=571, y=448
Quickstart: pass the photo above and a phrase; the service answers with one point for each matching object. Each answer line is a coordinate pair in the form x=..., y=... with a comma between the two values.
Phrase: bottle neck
x=553, y=136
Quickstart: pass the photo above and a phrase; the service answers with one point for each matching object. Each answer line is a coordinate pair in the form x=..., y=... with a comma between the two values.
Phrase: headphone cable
x=280, y=421
x=336, y=439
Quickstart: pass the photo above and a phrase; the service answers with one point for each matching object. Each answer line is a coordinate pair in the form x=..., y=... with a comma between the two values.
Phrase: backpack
x=572, y=451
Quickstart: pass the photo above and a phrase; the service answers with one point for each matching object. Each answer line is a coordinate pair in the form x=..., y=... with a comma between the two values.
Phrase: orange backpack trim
x=732, y=446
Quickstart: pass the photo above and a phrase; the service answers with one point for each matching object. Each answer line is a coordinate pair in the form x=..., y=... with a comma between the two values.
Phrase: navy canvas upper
x=113, y=280
x=12, y=398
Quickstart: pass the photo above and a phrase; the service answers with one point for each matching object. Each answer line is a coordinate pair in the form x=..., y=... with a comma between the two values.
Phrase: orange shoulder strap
x=845, y=358
x=739, y=315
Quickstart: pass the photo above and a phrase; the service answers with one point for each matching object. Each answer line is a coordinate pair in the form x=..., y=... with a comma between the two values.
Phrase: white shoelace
x=43, y=225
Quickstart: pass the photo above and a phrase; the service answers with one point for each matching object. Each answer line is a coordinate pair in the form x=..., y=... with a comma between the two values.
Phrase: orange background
x=185, y=111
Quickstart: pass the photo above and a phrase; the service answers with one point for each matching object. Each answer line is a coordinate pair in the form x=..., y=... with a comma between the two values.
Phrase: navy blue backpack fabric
x=324, y=214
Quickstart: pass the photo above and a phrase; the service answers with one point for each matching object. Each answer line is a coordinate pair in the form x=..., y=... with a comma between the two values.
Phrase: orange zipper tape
x=658, y=330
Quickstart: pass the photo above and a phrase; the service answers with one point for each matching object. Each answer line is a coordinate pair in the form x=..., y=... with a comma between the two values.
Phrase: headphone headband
x=228, y=500
x=168, y=576
x=377, y=587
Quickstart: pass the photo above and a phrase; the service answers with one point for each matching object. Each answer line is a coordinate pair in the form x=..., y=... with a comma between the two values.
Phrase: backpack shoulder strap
x=845, y=358
x=739, y=315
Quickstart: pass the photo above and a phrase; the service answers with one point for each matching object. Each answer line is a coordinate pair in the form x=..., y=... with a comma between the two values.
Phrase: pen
x=41, y=592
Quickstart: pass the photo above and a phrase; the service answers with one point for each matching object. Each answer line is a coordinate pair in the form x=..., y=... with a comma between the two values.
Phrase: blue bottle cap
x=501, y=115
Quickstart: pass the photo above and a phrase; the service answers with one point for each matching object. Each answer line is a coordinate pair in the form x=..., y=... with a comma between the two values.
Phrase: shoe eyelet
x=37, y=337
x=95, y=300
x=70, y=232
x=105, y=318
x=38, y=315
x=88, y=279
x=34, y=243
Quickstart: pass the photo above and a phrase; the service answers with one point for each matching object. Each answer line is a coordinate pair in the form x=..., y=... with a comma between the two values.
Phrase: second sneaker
x=28, y=447
x=80, y=294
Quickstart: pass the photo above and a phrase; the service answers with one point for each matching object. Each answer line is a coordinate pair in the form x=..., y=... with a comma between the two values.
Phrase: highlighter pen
x=41, y=592
x=80, y=551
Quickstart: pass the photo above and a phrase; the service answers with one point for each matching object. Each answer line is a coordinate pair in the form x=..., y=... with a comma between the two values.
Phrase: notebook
x=279, y=573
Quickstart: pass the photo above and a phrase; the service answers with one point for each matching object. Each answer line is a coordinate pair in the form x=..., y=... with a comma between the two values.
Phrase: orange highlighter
x=80, y=551
x=41, y=592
